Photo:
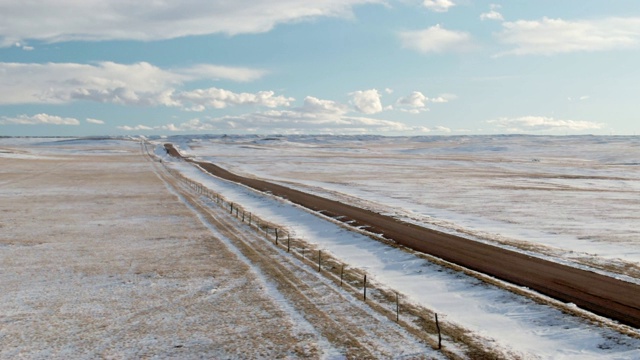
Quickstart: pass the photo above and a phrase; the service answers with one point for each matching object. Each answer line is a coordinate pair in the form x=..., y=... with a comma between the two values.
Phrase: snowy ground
x=170, y=277
x=512, y=323
x=571, y=198
x=102, y=256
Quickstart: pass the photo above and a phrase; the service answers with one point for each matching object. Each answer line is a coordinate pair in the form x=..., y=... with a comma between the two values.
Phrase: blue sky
x=424, y=67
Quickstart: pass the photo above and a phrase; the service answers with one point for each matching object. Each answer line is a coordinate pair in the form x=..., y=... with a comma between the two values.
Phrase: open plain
x=102, y=258
x=111, y=251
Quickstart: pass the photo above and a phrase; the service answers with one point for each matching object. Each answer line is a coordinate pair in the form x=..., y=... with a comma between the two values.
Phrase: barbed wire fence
x=423, y=322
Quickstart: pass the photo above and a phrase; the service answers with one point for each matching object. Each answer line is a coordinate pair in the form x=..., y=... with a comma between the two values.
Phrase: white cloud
x=140, y=84
x=554, y=36
x=38, y=119
x=437, y=40
x=23, y=46
x=216, y=72
x=541, y=123
x=95, y=121
x=276, y=121
x=439, y=99
x=493, y=13
x=415, y=99
x=438, y=5
x=191, y=125
x=367, y=101
x=220, y=99
x=414, y=103
x=442, y=129
x=417, y=102
x=105, y=82
x=314, y=116
x=135, y=128
x=314, y=106
x=96, y=20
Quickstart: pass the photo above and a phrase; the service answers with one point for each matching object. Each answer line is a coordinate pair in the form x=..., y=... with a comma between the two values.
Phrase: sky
x=394, y=67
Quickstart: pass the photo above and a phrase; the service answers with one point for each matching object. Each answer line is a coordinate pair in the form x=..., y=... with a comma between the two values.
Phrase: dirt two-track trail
x=603, y=295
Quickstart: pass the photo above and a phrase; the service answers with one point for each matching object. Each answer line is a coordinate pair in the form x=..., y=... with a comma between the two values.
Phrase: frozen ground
x=570, y=198
x=120, y=267
x=518, y=326
x=100, y=258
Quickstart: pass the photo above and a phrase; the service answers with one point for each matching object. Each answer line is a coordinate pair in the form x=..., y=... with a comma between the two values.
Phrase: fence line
x=354, y=281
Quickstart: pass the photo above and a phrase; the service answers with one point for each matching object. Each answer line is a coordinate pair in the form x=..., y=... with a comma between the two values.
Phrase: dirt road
x=603, y=295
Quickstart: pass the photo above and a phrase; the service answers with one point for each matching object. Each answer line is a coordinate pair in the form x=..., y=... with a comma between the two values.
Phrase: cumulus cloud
x=140, y=84
x=438, y=5
x=443, y=98
x=216, y=72
x=442, y=129
x=436, y=39
x=554, y=36
x=135, y=128
x=313, y=106
x=367, y=101
x=38, y=119
x=541, y=123
x=313, y=116
x=417, y=102
x=96, y=20
x=415, y=99
x=220, y=99
x=193, y=125
x=95, y=121
x=493, y=13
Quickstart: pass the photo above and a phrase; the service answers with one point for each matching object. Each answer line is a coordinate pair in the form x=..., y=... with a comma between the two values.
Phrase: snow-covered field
x=152, y=263
x=574, y=198
x=102, y=257
x=507, y=321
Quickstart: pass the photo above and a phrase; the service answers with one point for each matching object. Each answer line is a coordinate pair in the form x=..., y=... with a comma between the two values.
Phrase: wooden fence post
x=439, y=335
x=365, y=287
